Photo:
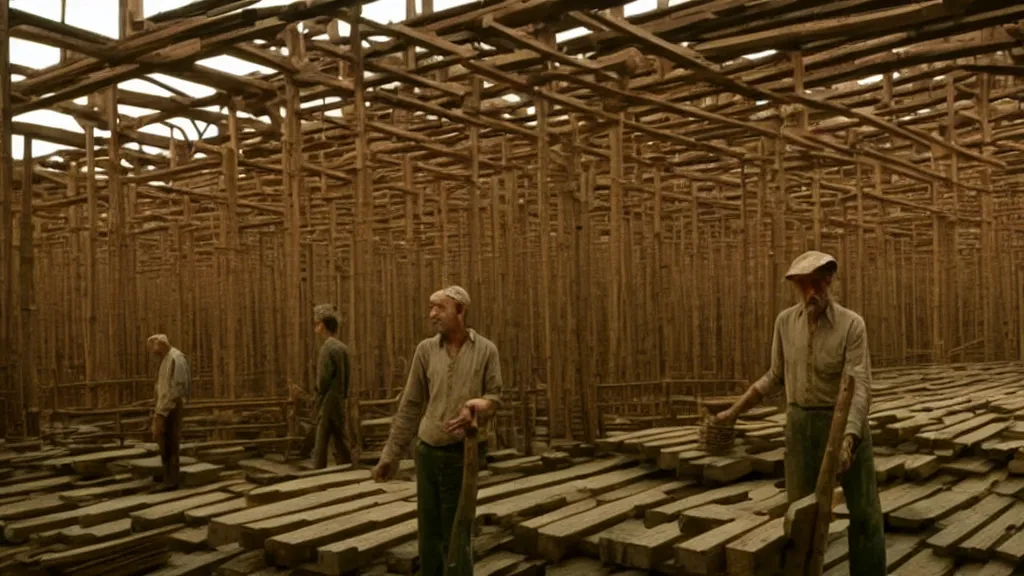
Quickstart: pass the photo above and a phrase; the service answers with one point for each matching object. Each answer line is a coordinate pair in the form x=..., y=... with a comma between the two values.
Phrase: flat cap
x=809, y=262
x=158, y=338
x=321, y=311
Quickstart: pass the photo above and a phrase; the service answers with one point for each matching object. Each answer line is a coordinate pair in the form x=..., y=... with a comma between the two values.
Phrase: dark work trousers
x=170, y=445
x=438, y=486
x=807, y=431
x=329, y=428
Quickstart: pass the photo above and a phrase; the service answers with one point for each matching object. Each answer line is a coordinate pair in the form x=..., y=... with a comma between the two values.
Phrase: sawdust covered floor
x=948, y=455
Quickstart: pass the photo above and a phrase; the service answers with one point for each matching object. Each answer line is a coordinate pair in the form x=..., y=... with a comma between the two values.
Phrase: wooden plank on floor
x=301, y=486
x=531, y=483
x=926, y=563
x=355, y=553
x=42, y=485
x=77, y=556
x=963, y=467
x=705, y=554
x=203, y=514
x=200, y=563
x=758, y=551
x=633, y=545
x=255, y=534
x=31, y=507
x=990, y=568
x=964, y=523
x=529, y=504
x=81, y=495
x=558, y=539
x=921, y=466
x=898, y=547
x=926, y=511
x=173, y=512
x=291, y=549
x=227, y=529
x=497, y=564
x=724, y=495
x=981, y=545
x=188, y=539
x=526, y=531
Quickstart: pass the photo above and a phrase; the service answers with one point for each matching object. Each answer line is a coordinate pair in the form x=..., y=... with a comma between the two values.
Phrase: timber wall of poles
x=605, y=258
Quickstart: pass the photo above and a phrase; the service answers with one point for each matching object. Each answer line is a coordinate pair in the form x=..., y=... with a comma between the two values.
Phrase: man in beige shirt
x=455, y=377
x=814, y=344
x=170, y=393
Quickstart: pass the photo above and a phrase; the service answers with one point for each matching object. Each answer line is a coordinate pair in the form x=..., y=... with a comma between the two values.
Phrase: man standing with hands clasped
x=454, y=377
x=815, y=343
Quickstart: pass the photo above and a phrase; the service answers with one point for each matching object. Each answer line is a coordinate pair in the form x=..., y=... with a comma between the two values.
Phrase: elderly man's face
x=444, y=314
x=813, y=290
x=156, y=348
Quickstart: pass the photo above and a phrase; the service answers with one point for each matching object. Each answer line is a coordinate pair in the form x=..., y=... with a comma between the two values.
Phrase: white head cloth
x=457, y=293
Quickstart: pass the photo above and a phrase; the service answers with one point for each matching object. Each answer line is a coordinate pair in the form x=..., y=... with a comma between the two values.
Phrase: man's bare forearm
x=752, y=397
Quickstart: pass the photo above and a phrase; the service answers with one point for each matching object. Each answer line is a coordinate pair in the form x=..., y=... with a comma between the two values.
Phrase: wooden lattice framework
x=621, y=204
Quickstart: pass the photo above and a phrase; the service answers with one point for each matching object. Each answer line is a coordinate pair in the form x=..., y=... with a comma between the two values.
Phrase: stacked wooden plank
x=648, y=500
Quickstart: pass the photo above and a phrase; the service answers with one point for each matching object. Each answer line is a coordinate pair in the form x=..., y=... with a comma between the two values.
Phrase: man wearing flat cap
x=454, y=379
x=332, y=378
x=170, y=391
x=815, y=343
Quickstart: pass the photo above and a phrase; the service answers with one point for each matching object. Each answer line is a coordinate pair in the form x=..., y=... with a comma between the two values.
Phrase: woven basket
x=715, y=438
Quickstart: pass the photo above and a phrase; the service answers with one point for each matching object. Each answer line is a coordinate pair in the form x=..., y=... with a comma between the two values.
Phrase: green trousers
x=438, y=485
x=807, y=431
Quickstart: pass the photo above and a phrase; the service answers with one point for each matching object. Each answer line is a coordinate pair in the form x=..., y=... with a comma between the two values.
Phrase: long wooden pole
x=6, y=200
x=27, y=298
x=827, y=477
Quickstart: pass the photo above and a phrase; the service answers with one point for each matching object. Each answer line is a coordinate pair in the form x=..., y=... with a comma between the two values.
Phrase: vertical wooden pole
x=936, y=281
x=92, y=338
x=229, y=160
x=442, y=197
x=6, y=204
x=986, y=295
x=779, y=227
x=1020, y=311
x=659, y=345
x=742, y=326
x=954, y=174
x=27, y=299
x=294, y=316
x=695, y=301
x=816, y=195
x=364, y=229
x=862, y=298
x=475, y=244
x=883, y=271
x=615, y=240
x=544, y=210
x=116, y=244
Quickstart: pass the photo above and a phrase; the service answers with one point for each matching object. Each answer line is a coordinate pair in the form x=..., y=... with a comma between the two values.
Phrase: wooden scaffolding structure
x=621, y=203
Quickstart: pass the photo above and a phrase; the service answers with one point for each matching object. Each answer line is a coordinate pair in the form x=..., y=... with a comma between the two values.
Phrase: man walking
x=171, y=390
x=815, y=343
x=332, y=378
x=455, y=377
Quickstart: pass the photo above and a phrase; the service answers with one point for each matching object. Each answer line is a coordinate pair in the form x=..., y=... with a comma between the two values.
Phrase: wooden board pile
x=948, y=459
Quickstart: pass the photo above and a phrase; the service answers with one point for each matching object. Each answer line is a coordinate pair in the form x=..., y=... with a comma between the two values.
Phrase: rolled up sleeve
x=858, y=367
x=772, y=379
x=410, y=409
x=492, y=384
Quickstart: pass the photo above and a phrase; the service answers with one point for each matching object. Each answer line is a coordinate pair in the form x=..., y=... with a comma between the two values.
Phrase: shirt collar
x=830, y=313
x=470, y=331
